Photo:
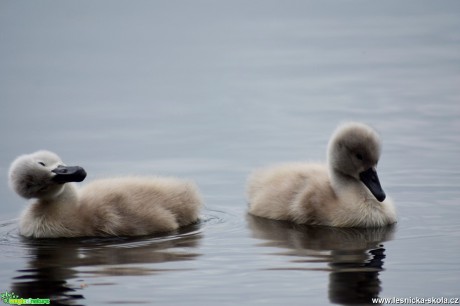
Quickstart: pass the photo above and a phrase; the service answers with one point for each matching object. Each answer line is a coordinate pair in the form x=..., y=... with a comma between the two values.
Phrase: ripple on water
x=59, y=268
x=13, y=244
x=223, y=221
x=9, y=237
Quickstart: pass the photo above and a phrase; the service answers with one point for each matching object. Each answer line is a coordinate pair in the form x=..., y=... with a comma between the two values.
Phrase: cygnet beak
x=66, y=174
x=371, y=180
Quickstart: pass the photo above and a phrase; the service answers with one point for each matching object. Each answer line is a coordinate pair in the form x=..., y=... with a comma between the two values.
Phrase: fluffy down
x=346, y=192
x=125, y=206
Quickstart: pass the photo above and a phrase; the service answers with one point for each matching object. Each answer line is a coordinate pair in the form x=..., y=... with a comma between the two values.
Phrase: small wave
x=9, y=233
x=10, y=237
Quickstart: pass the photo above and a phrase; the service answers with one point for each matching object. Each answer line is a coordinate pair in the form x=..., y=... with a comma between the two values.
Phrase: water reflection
x=354, y=256
x=59, y=268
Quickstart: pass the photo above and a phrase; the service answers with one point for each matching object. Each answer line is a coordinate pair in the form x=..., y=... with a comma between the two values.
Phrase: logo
x=12, y=299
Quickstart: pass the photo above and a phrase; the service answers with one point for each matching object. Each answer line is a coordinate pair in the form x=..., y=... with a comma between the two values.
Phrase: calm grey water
x=209, y=90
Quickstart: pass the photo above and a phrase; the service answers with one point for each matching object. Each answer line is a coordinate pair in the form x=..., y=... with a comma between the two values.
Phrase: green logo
x=13, y=299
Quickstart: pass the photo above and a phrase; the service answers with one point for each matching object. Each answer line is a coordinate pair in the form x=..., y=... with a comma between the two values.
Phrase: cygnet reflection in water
x=354, y=256
x=59, y=268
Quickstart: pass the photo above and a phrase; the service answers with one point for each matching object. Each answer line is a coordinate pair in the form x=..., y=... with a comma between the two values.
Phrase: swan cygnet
x=130, y=206
x=344, y=193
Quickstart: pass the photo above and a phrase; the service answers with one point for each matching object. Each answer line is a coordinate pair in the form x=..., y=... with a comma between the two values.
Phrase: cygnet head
x=42, y=175
x=353, y=152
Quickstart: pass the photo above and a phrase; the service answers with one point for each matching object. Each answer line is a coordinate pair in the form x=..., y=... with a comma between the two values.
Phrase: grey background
x=210, y=90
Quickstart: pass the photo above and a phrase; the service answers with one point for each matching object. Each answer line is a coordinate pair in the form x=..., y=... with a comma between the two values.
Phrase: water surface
x=209, y=91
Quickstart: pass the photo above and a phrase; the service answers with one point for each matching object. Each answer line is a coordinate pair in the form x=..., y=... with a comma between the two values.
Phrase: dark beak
x=66, y=174
x=371, y=180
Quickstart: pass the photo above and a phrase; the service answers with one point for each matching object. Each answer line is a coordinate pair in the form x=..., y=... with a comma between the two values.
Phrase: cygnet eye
x=359, y=156
x=42, y=163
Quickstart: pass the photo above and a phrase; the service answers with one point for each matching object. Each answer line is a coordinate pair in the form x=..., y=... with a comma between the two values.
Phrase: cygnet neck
x=341, y=181
x=67, y=198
